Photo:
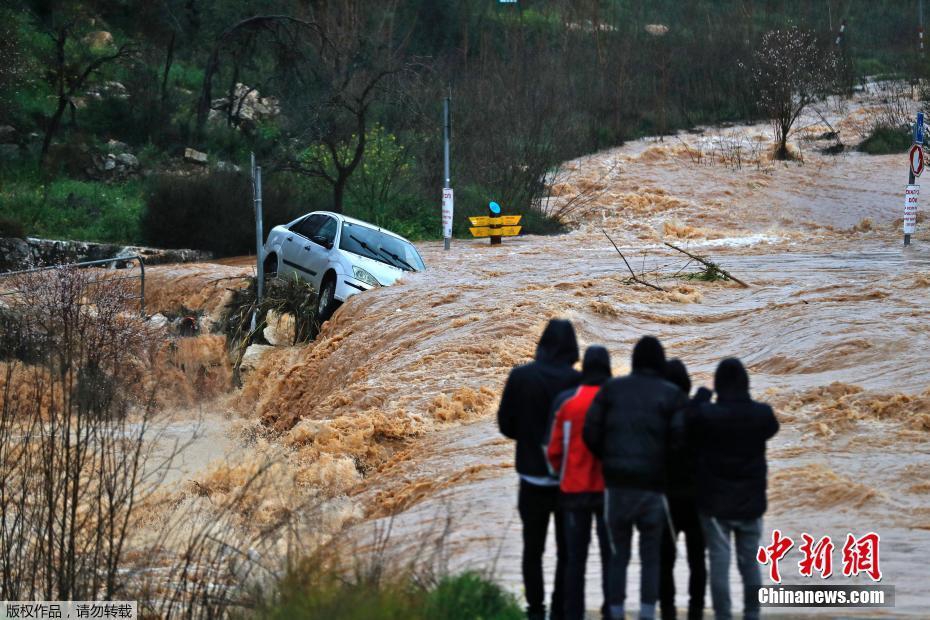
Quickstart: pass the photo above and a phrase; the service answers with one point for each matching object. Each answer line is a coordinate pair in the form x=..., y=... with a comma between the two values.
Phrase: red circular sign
x=917, y=160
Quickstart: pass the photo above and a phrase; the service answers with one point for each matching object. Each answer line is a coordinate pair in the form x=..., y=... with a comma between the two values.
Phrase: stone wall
x=16, y=254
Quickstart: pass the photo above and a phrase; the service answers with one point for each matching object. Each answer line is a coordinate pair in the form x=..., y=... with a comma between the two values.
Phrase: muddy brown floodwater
x=390, y=411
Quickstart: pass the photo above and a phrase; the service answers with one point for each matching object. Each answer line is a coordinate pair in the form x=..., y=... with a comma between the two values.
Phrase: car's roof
x=352, y=220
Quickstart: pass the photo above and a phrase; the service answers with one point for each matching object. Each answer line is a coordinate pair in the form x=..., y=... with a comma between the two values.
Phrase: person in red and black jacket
x=581, y=482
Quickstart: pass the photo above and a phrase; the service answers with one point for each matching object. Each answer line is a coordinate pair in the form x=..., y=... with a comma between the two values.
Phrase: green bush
x=886, y=140
x=11, y=228
x=470, y=596
x=467, y=596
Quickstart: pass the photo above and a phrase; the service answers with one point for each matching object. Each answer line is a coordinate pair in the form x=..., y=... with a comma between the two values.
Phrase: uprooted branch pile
x=282, y=296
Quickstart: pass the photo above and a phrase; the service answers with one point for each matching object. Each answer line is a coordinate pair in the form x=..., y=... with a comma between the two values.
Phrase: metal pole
x=447, y=175
x=910, y=181
x=259, y=237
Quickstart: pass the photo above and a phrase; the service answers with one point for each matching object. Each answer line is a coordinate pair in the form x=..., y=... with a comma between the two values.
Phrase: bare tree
x=69, y=75
x=353, y=56
x=74, y=419
x=791, y=70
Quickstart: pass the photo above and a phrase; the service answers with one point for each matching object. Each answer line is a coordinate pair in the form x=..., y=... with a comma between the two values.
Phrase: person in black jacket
x=681, y=493
x=729, y=437
x=524, y=416
x=631, y=424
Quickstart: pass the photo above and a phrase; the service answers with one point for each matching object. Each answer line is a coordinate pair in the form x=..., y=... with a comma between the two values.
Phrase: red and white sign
x=447, y=202
x=910, y=209
x=917, y=160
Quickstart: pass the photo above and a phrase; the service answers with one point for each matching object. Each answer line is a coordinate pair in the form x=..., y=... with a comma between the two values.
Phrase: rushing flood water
x=391, y=410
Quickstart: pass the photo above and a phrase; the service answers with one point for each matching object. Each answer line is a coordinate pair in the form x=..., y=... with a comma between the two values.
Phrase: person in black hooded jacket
x=729, y=438
x=681, y=493
x=524, y=415
x=632, y=423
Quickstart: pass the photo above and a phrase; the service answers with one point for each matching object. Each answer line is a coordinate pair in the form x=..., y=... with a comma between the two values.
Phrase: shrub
x=11, y=228
x=885, y=140
x=467, y=596
x=213, y=212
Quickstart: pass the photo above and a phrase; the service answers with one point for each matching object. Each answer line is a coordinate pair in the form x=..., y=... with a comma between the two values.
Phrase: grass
x=64, y=208
x=466, y=596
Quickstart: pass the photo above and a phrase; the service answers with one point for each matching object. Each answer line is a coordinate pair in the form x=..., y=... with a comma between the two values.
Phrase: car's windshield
x=379, y=246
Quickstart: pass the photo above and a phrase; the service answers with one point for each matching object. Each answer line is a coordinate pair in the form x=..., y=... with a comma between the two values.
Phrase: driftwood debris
x=707, y=263
x=633, y=277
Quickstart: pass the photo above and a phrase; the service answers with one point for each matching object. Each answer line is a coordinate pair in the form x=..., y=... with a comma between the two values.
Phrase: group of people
x=635, y=451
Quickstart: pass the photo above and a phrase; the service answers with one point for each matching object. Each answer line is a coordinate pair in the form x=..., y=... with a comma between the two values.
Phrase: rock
x=225, y=166
x=249, y=108
x=195, y=157
x=98, y=39
x=253, y=356
x=115, y=146
x=279, y=328
x=158, y=321
x=15, y=254
x=115, y=89
x=128, y=160
x=657, y=30
x=110, y=162
x=7, y=134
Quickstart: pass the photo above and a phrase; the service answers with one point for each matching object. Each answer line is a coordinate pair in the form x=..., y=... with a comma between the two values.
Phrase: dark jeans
x=537, y=504
x=746, y=532
x=623, y=508
x=685, y=519
x=577, y=520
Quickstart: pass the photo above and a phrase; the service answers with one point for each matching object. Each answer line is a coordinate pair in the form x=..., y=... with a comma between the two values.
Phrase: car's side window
x=309, y=226
x=326, y=234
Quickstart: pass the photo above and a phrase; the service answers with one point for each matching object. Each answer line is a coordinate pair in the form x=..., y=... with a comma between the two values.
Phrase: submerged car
x=340, y=256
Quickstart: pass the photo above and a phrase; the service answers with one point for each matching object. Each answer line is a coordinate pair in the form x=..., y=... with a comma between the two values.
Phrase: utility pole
x=447, y=196
x=920, y=25
x=259, y=234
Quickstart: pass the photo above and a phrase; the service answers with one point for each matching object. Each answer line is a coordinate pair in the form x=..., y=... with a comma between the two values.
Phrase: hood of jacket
x=595, y=369
x=558, y=344
x=731, y=381
x=677, y=373
x=648, y=355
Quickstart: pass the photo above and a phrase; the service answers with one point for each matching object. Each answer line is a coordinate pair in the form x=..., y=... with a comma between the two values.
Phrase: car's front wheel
x=326, y=304
x=271, y=266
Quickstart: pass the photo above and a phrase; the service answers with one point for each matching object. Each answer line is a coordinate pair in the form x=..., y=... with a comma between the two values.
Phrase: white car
x=340, y=256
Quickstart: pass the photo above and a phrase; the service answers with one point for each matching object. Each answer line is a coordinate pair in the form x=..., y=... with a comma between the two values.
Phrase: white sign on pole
x=910, y=209
x=447, y=202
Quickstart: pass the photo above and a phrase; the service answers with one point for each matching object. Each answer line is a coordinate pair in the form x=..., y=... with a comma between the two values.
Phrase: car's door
x=294, y=256
x=317, y=252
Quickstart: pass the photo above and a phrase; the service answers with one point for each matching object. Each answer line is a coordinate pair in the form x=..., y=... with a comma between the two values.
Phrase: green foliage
x=468, y=596
x=471, y=596
x=886, y=140
x=64, y=208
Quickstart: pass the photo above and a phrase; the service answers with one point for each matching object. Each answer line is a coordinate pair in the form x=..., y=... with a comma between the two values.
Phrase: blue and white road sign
x=919, y=129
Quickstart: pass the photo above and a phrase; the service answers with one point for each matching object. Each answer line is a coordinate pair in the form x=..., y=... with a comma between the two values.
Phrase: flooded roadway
x=390, y=411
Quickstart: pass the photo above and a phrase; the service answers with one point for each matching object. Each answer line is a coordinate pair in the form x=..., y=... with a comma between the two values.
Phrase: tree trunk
x=339, y=187
x=169, y=60
x=52, y=128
